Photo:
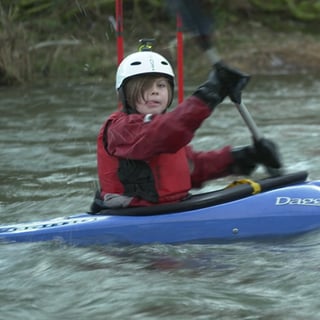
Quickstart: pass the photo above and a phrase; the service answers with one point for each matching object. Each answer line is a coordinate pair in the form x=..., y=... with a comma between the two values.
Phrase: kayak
x=274, y=207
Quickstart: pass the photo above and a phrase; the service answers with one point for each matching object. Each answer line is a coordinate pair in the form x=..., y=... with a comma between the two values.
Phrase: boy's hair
x=135, y=87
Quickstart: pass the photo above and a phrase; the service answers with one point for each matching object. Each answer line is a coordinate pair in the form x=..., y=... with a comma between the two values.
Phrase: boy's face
x=155, y=98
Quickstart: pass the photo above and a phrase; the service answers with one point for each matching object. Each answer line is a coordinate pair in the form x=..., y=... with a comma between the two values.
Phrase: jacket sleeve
x=141, y=137
x=209, y=164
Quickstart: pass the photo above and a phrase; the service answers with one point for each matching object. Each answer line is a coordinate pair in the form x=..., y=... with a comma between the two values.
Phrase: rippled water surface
x=48, y=169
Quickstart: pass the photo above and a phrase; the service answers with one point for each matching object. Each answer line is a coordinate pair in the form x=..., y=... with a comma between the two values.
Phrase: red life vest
x=170, y=171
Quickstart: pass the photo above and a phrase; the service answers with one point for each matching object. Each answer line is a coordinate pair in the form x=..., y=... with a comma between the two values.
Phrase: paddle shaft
x=246, y=116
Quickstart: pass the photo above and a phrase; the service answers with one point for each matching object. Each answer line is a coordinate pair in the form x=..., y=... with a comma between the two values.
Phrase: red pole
x=119, y=30
x=180, y=58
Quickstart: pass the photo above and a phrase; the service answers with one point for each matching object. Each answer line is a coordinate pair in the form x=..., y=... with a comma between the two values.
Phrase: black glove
x=264, y=151
x=244, y=160
x=267, y=153
x=213, y=91
x=234, y=80
x=223, y=81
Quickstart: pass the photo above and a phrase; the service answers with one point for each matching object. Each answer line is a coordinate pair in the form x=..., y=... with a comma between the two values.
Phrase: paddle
x=270, y=156
x=267, y=152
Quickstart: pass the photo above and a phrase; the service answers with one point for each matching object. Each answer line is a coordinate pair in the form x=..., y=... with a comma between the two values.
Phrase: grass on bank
x=47, y=47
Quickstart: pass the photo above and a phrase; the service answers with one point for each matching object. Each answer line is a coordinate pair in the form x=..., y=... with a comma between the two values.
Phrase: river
x=48, y=169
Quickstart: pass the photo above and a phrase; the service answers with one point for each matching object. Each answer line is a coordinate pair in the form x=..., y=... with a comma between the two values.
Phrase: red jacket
x=162, y=142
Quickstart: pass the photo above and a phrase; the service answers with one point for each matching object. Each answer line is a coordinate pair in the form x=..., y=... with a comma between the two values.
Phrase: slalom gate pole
x=180, y=58
x=119, y=30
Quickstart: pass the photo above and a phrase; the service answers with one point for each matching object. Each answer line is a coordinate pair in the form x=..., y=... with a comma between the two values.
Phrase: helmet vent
x=164, y=62
x=136, y=63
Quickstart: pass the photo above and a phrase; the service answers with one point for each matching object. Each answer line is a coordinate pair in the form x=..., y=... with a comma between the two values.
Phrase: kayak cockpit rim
x=207, y=199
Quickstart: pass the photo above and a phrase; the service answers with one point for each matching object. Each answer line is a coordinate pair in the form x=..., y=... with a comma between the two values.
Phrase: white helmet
x=143, y=62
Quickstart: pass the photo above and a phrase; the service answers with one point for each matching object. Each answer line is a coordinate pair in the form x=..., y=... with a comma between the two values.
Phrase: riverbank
x=91, y=54
x=250, y=46
x=260, y=50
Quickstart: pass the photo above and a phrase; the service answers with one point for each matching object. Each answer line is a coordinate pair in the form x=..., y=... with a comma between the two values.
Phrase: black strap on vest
x=137, y=179
x=136, y=176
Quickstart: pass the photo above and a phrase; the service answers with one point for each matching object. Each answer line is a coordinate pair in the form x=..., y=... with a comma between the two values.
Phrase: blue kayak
x=274, y=207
